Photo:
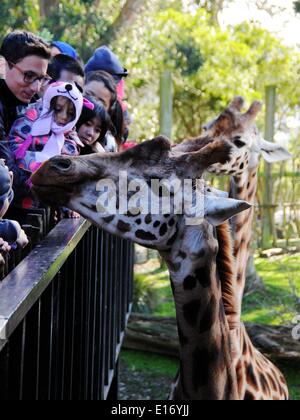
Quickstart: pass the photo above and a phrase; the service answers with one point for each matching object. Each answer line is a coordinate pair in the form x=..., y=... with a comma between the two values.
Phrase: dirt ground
x=146, y=377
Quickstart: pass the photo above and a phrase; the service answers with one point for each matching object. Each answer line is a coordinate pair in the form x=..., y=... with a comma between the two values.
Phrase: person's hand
x=2, y=261
x=72, y=135
x=4, y=247
x=70, y=214
x=97, y=148
x=22, y=239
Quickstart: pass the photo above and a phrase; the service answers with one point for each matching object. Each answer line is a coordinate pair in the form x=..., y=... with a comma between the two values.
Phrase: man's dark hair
x=64, y=62
x=20, y=44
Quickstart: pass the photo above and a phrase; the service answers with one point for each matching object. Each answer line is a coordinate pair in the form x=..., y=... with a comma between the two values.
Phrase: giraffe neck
x=206, y=369
x=243, y=188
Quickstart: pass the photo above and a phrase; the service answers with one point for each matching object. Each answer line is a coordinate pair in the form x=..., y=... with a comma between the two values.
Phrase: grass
x=292, y=376
x=151, y=376
x=276, y=305
x=279, y=303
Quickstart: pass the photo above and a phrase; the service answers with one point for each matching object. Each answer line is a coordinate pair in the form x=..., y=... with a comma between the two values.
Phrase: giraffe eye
x=238, y=142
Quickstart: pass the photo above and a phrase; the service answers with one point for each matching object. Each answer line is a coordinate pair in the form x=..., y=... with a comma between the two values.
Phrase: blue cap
x=65, y=48
x=105, y=59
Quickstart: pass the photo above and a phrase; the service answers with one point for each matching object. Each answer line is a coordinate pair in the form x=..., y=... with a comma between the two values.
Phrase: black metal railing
x=63, y=312
x=36, y=223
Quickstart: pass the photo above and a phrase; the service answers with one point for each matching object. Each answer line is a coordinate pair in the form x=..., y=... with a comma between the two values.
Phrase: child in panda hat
x=46, y=129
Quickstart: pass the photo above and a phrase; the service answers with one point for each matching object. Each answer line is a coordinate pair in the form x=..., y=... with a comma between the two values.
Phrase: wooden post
x=166, y=104
x=268, y=236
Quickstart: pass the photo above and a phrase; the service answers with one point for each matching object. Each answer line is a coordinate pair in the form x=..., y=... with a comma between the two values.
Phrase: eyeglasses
x=30, y=77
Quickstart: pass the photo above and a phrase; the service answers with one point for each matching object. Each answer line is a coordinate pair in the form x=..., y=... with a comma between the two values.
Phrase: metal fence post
x=166, y=104
x=268, y=228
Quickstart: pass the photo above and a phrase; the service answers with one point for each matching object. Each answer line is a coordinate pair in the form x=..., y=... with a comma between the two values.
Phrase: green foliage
x=297, y=6
x=80, y=22
x=144, y=295
x=209, y=64
x=17, y=14
x=209, y=67
x=188, y=58
x=158, y=281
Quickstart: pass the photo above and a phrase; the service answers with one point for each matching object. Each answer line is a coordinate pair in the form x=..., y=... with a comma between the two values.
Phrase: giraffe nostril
x=62, y=164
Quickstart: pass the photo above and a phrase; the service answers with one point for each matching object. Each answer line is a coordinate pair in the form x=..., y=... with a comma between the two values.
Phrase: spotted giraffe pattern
x=204, y=347
x=258, y=378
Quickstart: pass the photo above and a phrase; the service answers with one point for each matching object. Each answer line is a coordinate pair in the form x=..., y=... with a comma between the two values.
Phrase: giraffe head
x=116, y=191
x=241, y=131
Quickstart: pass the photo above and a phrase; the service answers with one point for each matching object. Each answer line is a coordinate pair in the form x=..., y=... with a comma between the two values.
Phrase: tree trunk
x=46, y=6
x=159, y=335
x=130, y=11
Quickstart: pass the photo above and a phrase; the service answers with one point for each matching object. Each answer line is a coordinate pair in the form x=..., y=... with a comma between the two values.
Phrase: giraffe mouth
x=89, y=212
x=91, y=207
x=51, y=194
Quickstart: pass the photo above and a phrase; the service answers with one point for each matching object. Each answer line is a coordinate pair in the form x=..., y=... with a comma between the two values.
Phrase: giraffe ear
x=192, y=165
x=217, y=209
x=273, y=152
x=151, y=151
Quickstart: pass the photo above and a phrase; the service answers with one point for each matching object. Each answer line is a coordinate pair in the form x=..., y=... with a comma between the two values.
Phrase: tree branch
x=130, y=11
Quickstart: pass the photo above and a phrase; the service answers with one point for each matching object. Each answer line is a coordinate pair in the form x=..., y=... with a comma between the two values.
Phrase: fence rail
x=283, y=210
x=63, y=312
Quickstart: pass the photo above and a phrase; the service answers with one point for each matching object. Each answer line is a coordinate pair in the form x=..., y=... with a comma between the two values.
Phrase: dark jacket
x=10, y=108
x=9, y=231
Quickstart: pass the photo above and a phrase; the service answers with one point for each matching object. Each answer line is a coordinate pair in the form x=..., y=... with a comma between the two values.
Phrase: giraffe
x=240, y=130
x=191, y=252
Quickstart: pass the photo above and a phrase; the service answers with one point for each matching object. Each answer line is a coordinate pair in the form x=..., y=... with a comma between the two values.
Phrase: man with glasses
x=26, y=61
x=27, y=57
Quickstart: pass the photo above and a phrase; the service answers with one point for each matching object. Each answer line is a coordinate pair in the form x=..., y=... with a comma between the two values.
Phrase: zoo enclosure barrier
x=63, y=312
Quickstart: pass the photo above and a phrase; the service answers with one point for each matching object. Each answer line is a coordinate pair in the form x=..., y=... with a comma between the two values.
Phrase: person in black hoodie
x=26, y=61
